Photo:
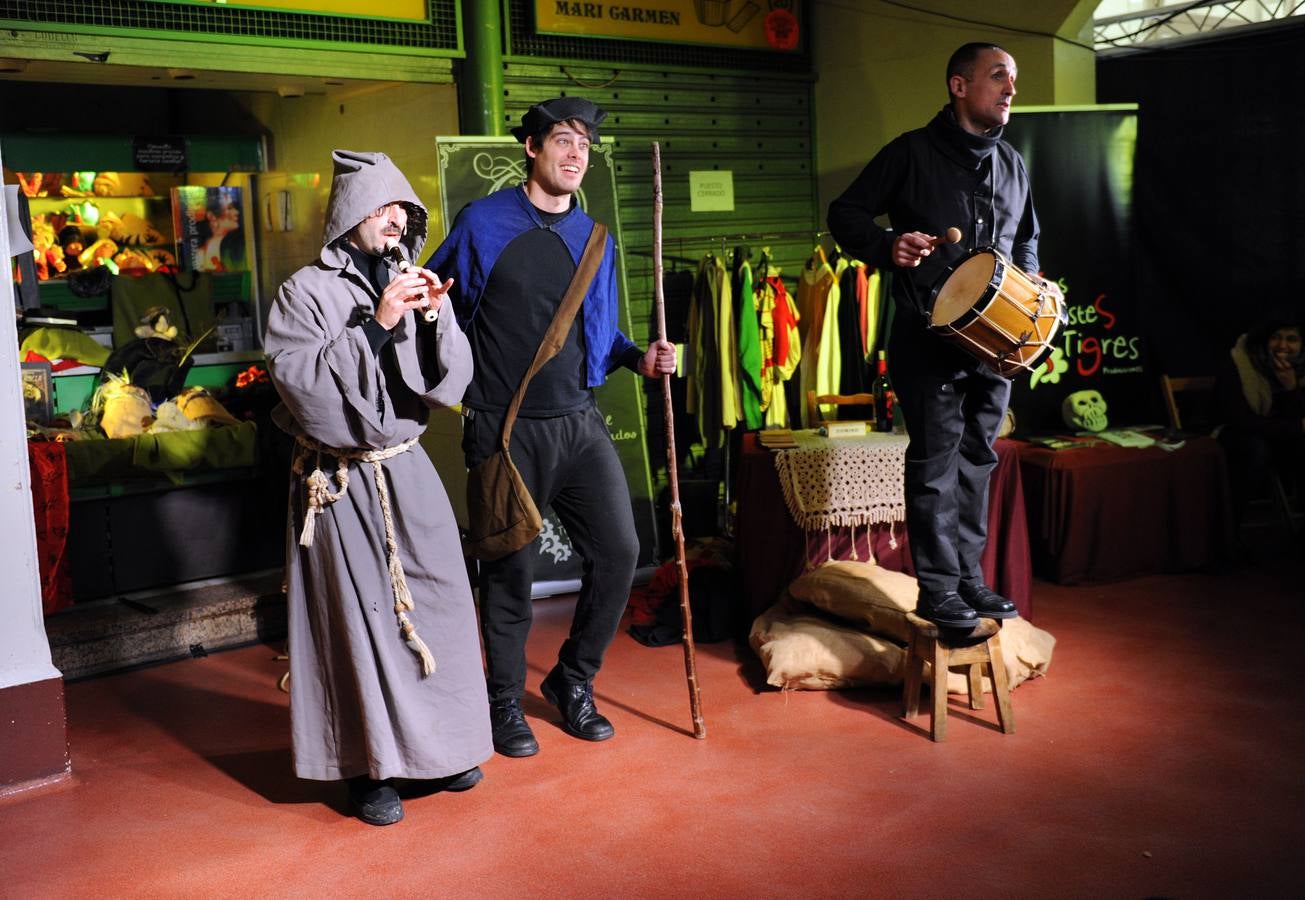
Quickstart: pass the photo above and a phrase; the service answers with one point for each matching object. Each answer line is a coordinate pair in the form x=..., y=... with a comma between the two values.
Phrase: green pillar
x=480, y=84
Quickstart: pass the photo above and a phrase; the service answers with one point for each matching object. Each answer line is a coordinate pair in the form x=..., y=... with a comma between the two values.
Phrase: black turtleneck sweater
x=928, y=180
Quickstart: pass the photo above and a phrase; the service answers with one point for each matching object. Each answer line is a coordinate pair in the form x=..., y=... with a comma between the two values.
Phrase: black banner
x=1080, y=163
x=473, y=167
x=167, y=153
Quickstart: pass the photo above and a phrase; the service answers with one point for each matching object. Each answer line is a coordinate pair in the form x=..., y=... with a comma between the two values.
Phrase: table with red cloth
x=773, y=550
x=1104, y=512
x=49, y=467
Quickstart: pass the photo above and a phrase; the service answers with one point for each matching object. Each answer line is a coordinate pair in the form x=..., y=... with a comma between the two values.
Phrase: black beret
x=559, y=109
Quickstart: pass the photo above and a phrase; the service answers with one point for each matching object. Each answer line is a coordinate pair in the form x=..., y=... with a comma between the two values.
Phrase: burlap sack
x=861, y=592
x=1026, y=650
x=804, y=651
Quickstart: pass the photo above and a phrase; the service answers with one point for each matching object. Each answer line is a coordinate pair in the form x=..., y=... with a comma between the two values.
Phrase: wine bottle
x=883, y=394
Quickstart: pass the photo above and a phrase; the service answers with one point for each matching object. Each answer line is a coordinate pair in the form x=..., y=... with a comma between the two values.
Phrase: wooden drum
x=992, y=310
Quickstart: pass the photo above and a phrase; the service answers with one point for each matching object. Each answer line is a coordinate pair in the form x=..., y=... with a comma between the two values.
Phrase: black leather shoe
x=512, y=736
x=985, y=601
x=580, y=718
x=946, y=609
x=463, y=781
x=375, y=802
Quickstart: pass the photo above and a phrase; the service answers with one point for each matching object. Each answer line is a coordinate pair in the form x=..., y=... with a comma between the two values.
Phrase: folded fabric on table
x=225, y=447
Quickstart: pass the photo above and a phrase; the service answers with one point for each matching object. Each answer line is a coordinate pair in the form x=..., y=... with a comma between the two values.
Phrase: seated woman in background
x=1262, y=404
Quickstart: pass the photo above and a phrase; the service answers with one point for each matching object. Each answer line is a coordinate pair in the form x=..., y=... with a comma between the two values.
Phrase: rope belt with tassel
x=320, y=496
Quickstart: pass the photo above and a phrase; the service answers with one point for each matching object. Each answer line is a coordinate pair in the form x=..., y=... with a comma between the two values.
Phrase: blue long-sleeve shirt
x=479, y=235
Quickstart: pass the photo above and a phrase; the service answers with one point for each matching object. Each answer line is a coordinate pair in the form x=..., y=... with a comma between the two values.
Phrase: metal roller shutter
x=755, y=125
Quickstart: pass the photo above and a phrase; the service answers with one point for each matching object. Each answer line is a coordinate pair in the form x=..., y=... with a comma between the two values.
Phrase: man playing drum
x=956, y=172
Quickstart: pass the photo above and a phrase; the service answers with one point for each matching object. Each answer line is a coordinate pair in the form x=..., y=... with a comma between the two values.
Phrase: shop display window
x=134, y=223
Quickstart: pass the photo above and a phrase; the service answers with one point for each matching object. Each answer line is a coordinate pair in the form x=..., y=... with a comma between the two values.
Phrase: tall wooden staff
x=690, y=653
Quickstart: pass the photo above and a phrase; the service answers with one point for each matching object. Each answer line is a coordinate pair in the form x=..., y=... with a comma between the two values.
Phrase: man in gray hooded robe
x=386, y=675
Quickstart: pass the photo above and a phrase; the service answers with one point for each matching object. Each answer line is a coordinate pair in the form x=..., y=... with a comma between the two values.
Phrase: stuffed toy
x=155, y=324
x=100, y=253
x=83, y=185
x=70, y=238
x=30, y=185
x=54, y=259
x=105, y=184
x=122, y=184
x=200, y=406
x=42, y=241
x=137, y=261
x=162, y=258
x=169, y=417
x=127, y=228
x=124, y=408
x=84, y=213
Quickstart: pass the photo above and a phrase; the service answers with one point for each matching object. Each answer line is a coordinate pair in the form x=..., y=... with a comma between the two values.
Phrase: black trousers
x=569, y=463
x=953, y=408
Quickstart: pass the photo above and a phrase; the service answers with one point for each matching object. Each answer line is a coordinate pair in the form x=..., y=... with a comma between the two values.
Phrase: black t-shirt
x=520, y=299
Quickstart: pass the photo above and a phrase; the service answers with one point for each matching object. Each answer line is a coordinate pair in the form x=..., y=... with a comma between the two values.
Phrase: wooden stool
x=980, y=648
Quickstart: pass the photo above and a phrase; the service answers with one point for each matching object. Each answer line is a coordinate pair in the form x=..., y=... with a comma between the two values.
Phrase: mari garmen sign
x=757, y=24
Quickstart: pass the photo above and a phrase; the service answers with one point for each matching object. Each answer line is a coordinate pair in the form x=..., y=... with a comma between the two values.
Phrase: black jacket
x=928, y=180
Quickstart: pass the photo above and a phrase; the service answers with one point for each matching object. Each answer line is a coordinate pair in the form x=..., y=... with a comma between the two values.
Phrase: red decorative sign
x=781, y=29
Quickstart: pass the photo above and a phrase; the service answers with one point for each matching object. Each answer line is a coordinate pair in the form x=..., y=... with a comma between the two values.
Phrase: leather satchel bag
x=502, y=516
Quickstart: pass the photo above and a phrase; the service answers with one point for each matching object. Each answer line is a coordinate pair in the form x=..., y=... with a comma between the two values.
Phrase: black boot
x=463, y=781
x=580, y=718
x=985, y=601
x=512, y=736
x=375, y=802
x=946, y=608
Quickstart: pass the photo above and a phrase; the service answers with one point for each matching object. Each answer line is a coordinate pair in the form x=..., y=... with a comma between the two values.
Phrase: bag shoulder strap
x=561, y=324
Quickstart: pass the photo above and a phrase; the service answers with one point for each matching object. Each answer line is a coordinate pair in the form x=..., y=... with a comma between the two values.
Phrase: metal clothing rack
x=724, y=240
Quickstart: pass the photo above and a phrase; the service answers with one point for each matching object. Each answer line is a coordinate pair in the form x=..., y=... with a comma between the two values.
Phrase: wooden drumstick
x=951, y=236
x=430, y=314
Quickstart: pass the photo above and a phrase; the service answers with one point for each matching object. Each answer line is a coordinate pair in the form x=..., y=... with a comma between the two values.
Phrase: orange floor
x=1160, y=757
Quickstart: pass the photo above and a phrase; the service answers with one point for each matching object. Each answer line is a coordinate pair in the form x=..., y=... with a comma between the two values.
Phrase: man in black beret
x=511, y=256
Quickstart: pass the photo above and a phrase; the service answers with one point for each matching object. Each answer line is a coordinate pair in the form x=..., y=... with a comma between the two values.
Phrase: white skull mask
x=1085, y=410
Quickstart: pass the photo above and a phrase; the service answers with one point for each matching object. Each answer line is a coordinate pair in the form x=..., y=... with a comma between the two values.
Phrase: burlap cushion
x=805, y=651
x=861, y=592
x=1026, y=650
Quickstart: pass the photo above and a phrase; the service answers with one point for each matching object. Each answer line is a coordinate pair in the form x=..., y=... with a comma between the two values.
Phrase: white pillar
x=33, y=745
x=24, y=648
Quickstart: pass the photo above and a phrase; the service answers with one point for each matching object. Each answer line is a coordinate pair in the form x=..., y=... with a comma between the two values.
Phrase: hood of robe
x=364, y=182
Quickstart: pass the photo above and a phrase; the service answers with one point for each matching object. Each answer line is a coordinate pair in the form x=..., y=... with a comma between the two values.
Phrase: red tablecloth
x=49, y=466
x=1103, y=513
x=773, y=550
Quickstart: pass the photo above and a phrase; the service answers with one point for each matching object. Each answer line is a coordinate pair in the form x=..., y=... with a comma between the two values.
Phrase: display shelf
x=154, y=484
x=114, y=152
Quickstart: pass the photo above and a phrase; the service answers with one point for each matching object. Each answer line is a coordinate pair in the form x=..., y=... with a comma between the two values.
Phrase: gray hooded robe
x=359, y=703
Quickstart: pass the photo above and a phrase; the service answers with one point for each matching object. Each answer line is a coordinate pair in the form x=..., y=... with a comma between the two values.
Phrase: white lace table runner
x=837, y=482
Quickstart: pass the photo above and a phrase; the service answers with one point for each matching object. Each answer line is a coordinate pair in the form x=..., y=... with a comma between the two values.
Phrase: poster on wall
x=750, y=24
x=208, y=223
x=410, y=10
x=471, y=167
x=1080, y=163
